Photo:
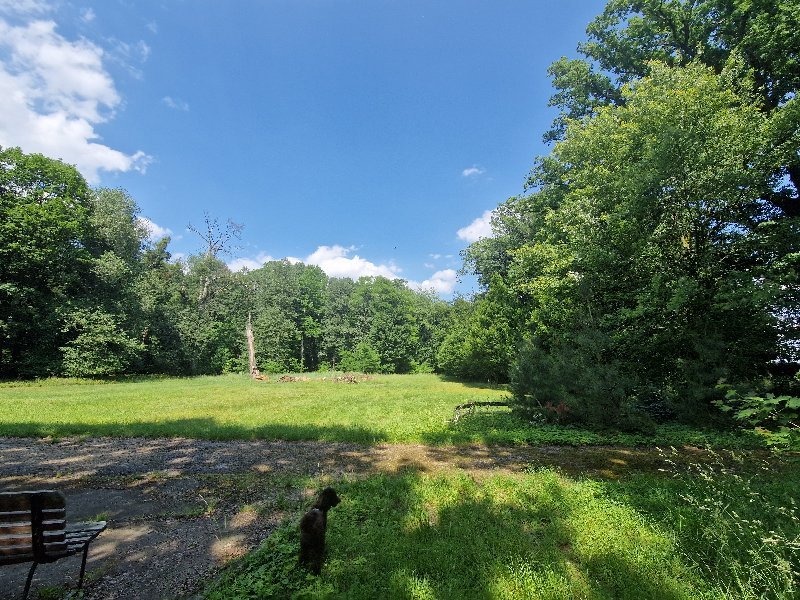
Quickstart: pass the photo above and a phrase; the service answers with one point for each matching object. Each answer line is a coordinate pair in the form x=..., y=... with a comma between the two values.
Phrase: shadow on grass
x=200, y=428
x=479, y=385
x=414, y=535
x=500, y=426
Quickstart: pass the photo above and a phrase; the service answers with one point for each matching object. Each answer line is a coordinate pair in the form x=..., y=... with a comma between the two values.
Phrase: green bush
x=100, y=348
x=574, y=382
x=364, y=359
x=773, y=417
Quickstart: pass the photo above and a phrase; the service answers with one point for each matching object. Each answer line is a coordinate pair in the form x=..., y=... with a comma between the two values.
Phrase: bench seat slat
x=85, y=529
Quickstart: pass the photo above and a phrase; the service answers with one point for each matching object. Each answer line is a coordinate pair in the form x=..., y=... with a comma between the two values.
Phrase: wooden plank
x=13, y=550
x=8, y=541
x=24, y=516
x=52, y=551
x=16, y=501
x=25, y=528
x=76, y=529
x=18, y=538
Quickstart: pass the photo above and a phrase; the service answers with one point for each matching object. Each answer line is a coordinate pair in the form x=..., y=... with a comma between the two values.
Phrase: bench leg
x=83, y=565
x=28, y=581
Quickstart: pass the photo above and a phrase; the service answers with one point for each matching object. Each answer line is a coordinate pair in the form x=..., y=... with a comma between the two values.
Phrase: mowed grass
x=539, y=535
x=385, y=408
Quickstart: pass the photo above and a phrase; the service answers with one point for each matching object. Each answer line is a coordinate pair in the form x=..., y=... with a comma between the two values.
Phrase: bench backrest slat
x=32, y=526
x=24, y=516
x=23, y=528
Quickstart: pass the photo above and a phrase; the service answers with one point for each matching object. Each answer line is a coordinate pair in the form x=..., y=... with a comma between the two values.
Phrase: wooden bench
x=33, y=527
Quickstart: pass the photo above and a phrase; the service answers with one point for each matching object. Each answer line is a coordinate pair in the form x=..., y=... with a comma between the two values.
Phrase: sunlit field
x=383, y=408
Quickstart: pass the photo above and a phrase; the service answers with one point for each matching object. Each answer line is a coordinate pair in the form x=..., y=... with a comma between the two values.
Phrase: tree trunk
x=251, y=349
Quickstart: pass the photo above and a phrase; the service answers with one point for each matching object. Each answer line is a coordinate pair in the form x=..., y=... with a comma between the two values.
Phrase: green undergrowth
x=383, y=408
x=541, y=534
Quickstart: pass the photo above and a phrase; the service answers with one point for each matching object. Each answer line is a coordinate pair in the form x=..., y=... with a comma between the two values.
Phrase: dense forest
x=648, y=271
x=85, y=293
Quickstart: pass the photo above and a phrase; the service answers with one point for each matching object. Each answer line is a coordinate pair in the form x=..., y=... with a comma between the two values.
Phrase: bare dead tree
x=216, y=237
x=251, y=349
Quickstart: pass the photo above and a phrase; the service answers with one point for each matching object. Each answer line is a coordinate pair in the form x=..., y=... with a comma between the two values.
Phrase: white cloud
x=251, y=264
x=435, y=256
x=473, y=171
x=429, y=265
x=88, y=15
x=55, y=91
x=155, y=232
x=479, y=228
x=336, y=262
x=441, y=282
x=153, y=27
x=175, y=103
x=24, y=7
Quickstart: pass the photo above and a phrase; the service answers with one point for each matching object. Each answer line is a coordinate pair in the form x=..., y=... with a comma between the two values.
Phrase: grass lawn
x=703, y=531
x=541, y=535
x=386, y=408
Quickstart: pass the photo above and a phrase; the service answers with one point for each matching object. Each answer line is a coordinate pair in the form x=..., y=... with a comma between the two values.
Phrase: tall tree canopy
x=656, y=250
x=761, y=37
x=46, y=237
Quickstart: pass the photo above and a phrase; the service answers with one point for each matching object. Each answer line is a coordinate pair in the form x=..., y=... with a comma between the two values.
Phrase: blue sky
x=368, y=137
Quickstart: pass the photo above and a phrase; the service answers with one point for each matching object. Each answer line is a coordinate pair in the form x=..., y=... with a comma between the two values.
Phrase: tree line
x=83, y=292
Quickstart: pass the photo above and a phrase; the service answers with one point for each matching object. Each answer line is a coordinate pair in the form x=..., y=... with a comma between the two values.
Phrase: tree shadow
x=456, y=538
x=479, y=385
x=204, y=428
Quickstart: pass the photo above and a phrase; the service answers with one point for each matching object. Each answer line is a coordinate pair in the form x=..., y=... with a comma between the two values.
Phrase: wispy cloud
x=479, y=228
x=88, y=15
x=473, y=171
x=175, y=103
x=25, y=8
x=154, y=231
x=152, y=26
x=441, y=282
x=55, y=91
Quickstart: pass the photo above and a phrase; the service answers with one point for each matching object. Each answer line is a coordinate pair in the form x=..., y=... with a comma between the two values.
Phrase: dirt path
x=178, y=509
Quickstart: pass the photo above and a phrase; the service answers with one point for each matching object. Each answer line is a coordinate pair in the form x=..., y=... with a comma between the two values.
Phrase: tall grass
x=741, y=529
